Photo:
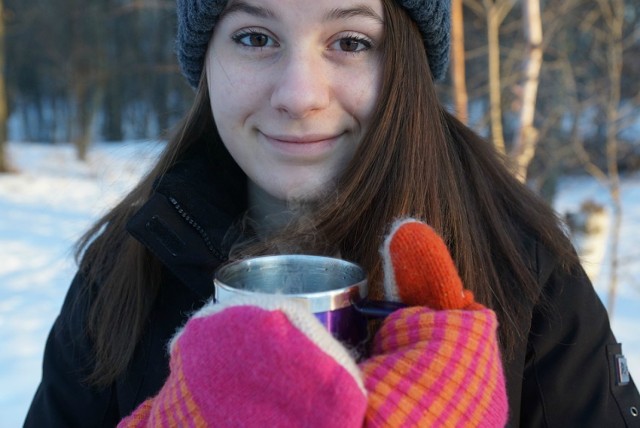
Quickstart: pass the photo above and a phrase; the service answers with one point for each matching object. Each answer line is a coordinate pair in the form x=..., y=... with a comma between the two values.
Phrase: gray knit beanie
x=196, y=19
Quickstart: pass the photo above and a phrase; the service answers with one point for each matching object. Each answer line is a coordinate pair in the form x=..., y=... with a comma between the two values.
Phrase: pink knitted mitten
x=263, y=362
x=436, y=364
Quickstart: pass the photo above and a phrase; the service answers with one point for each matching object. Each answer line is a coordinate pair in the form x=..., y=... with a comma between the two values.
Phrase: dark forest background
x=81, y=71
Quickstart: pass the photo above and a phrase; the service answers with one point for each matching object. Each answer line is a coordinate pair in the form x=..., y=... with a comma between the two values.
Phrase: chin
x=303, y=193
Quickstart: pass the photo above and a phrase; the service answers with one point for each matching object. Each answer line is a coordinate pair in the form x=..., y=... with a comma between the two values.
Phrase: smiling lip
x=310, y=147
x=307, y=139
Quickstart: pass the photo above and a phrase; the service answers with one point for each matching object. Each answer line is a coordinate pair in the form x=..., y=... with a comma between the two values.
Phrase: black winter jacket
x=564, y=374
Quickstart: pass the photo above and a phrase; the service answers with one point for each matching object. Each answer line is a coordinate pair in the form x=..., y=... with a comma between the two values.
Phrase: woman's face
x=293, y=84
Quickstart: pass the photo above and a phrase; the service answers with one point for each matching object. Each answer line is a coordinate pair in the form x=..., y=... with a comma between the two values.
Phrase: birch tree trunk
x=613, y=14
x=460, y=96
x=495, y=89
x=496, y=13
x=526, y=138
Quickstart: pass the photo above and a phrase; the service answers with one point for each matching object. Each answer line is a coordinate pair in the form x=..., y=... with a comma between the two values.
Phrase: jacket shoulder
x=571, y=372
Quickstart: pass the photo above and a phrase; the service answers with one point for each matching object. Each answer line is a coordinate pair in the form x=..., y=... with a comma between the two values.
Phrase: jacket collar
x=187, y=221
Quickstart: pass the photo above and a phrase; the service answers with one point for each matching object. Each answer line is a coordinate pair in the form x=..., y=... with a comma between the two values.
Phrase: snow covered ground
x=46, y=207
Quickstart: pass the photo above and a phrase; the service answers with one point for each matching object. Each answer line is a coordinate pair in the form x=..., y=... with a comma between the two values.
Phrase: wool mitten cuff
x=256, y=363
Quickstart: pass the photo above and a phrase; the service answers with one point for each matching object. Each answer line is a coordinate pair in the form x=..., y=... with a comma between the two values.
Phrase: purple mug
x=333, y=289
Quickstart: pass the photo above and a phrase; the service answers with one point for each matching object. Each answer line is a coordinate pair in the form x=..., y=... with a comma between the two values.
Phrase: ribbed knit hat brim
x=434, y=21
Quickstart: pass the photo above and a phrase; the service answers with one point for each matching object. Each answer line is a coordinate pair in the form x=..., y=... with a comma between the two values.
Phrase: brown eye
x=254, y=39
x=353, y=44
x=349, y=45
x=258, y=40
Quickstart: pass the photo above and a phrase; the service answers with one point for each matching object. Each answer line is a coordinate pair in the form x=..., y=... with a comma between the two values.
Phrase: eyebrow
x=352, y=12
x=333, y=14
x=241, y=6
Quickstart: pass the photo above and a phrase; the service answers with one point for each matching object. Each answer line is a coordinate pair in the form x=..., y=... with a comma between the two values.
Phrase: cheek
x=233, y=89
x=360, y=95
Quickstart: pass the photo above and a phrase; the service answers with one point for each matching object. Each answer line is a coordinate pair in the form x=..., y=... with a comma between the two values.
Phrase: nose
x=303, y=86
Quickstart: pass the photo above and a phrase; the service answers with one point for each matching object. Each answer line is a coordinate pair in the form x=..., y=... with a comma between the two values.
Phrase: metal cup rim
x=317, y=302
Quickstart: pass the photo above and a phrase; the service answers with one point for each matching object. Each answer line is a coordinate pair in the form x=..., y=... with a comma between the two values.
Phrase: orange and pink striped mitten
x=436, y=363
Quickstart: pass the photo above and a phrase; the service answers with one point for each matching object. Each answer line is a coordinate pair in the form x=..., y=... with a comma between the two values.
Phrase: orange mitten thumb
x=419, y=270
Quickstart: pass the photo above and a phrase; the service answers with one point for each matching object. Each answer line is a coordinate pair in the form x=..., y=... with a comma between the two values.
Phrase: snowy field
x=46, y=207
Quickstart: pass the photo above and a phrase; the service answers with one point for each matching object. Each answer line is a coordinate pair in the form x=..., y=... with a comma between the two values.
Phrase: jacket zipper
x=205, y=237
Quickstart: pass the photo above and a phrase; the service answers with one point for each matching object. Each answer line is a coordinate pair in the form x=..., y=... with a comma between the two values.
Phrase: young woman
x=315, y=125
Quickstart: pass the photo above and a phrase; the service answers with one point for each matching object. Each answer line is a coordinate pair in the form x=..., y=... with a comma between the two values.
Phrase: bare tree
x=4, y=110
x=496, y=12
x=77, y=70
x=613, y=15
x=605, y=25
x=88, y=68
x=515, y=63
x=458, y=62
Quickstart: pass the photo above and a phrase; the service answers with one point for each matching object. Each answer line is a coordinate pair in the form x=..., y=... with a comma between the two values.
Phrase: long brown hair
x=121, y=273
x=419, y=160
x=416, y=160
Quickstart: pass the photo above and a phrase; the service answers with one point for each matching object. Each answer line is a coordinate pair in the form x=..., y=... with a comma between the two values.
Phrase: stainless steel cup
x=331, y=288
